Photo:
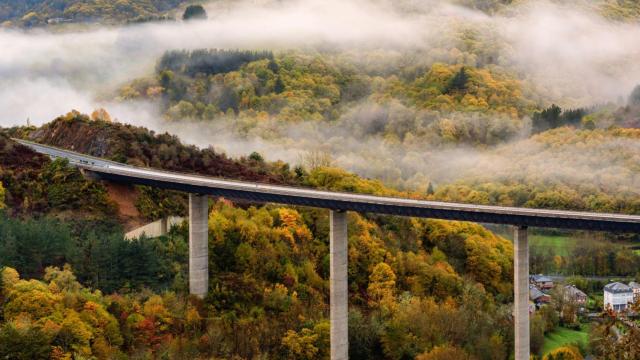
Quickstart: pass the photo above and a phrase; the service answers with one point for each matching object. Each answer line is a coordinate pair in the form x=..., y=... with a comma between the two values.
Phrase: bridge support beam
x=338, y=285
x=521, y=292
x=198, y=245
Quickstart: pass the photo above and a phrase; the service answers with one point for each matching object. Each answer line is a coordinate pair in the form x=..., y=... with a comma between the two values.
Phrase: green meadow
x=562, y=336
x=558, y=244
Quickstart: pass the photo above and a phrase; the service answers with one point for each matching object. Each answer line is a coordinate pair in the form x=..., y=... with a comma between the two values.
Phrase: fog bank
x=566, y=55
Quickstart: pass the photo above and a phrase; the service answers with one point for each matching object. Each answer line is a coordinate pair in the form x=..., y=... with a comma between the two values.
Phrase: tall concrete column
x=521, y=292
x=198, y=245
x=338, y=286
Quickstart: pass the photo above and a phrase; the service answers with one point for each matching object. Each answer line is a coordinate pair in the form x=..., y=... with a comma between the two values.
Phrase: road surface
x=242, y=190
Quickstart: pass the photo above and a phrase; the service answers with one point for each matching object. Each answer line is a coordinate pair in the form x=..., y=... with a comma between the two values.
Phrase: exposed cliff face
x=141, y=147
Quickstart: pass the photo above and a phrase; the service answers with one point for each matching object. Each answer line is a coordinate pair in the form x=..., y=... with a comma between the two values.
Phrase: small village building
x=538, y=297
x=58, y=20
x=617, y=296
x=541, y=282
x=636, y=290
x=572, y=293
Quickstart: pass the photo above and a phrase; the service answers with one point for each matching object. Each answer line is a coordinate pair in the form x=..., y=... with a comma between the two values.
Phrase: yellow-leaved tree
x=564, y=353
x=445, y=352
x=382, y=283
x=2, y=193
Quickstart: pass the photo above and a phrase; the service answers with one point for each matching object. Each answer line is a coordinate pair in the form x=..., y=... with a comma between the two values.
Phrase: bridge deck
x=258, y=192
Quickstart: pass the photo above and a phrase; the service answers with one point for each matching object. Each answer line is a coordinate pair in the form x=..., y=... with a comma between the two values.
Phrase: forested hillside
x=620, y=10
x=297, y=86
x=514, y=103
x=31, y=13
x=35, y=185
x=269, y=265
x=141, y=147
x=538, y=178
x=462, y=131
x=269, y=275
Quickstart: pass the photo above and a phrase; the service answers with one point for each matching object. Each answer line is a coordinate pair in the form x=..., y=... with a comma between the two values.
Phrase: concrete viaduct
x=199, y=188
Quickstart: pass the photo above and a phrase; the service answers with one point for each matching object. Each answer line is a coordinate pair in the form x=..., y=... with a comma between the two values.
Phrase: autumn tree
x=536, y=330
x=564, y=353
x=606, y=341
x=445, y=352
x=2, y=195
x=307, y=344
x=100, y=115
x=316, y=159
x=382, y=283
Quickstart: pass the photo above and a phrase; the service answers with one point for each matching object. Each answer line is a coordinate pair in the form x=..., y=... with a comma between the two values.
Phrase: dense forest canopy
x=269, y=268
x=41, y=12
x=514, y=103
x=37, y=12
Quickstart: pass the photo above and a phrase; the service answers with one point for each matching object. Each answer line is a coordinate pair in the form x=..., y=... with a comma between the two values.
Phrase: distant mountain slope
x=618, y=10
x=41, y=12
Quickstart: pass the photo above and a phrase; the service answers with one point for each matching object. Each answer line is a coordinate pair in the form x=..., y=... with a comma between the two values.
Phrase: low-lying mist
x=599, y=161
x=570, y=56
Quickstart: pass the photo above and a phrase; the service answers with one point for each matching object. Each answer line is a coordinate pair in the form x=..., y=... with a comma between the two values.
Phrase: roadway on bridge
x=258, y=192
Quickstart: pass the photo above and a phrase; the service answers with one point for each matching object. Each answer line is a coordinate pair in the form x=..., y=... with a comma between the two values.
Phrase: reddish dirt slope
x=125, y=197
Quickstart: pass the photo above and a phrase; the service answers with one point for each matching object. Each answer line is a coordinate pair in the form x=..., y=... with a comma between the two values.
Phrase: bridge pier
x=521, y=292
x=198, y=245
x=338, y=285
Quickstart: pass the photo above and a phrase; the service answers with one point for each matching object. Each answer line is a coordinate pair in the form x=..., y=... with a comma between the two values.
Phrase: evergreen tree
x=228, y=100
x=27, y=344
x=430, y=190
x=634, y=98
x=547, y=119
x=194, y=12
x=279, y=86
x=255, y=156
x=459, y=81
x=273, y=66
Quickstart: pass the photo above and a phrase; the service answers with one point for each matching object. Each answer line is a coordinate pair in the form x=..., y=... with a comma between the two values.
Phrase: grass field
x=559, y=245
x=563, y=336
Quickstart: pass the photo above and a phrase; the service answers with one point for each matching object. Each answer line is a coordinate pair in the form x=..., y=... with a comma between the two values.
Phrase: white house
x=617, y=296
